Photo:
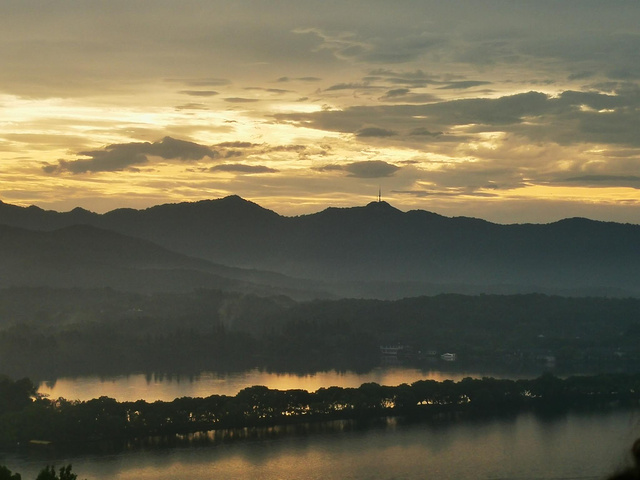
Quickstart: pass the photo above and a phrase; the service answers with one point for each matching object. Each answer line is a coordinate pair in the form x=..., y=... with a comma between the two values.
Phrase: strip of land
x=27, y=417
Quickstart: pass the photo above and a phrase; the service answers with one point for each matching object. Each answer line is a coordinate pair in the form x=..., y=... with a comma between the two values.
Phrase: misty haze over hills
x=370, y=251
x=90, y=257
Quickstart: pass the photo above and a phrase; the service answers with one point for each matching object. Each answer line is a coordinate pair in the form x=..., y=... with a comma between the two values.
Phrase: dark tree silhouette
x=49, y=473
x=633, y=472
x=5, y=474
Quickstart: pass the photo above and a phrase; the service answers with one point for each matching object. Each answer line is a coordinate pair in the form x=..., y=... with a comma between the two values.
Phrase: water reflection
x=222, y=436
x=576, y=446
x=165, y=387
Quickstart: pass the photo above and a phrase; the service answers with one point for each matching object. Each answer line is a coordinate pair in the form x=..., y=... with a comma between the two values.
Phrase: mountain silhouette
x=377, y=244
x=89, y=257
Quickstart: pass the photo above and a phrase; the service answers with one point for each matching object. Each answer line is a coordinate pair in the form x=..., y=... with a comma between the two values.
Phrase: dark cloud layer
x=371, y=169
x=461, y=98
x=241, y=100
x=421, y=131
x=463, y=84
x=405, y=95
x=126, y=155
x=192, y=106
x=416, y=78
x=392, y=48
x=375, y=132
x=364, y=169
x=285, y=148
x=351, y=86
x=237, y=144
x=572, y=117
x=118, y=157
x=632, y=181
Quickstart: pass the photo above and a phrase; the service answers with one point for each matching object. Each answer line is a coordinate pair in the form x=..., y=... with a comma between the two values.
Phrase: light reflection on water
x=168, y=387
x=524, y=447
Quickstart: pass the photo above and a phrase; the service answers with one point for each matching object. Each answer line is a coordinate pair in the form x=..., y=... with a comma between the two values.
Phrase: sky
x=512, y=111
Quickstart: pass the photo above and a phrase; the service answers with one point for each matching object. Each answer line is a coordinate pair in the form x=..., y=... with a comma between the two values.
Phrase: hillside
x=53, y=332
x=377, y=247
x=89, y=257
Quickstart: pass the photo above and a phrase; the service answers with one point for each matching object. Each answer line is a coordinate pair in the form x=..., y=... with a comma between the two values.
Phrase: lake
x=525, y=447
x=153, y=387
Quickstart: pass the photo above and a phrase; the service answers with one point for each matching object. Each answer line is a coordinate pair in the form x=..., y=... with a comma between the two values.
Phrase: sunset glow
x=524, y=112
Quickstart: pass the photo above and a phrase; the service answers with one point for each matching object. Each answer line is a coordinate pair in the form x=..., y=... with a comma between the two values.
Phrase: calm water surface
x=168, y=387
x=575, y=446
x=526, y=447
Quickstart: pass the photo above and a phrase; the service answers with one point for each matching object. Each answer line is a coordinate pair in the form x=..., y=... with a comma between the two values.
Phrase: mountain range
x=372, y=251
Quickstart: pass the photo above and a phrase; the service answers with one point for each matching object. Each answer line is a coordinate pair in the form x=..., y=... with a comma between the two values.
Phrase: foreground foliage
x=28, y=417
x=48, y=473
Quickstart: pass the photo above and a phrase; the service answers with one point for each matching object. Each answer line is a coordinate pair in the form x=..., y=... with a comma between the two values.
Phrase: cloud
x=416, y=78
x=632, y=181
x=404, y=95
x=126, y=155
x=277, y=91
x=397, y=92
x=285, y=148
x=624, y=73
x=237, y=144
x=594, y=100
x=172, y=148
x=371, y=169
x=108, y=161
x=421, y=131
x=390, y=48
x=241, y=100
x=569, y=118
x=192, y=106
x=463, y=84
x=364, y=169
x=451, y=192
x=249, y=147
x=616, y=51
x=503, y=111
x=332, y=167
x=350, y=86
x=582, y=75
x=405, y=82
x=375, y=132
x=492, y=145
x=506, y=110
x=242, y=168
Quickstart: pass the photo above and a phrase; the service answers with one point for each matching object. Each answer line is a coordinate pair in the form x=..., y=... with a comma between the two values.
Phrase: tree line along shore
x=28, y=417
x=51, y=333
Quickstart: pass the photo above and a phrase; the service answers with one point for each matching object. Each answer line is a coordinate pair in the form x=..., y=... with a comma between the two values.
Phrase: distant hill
x=89, y=257
x=378, y=247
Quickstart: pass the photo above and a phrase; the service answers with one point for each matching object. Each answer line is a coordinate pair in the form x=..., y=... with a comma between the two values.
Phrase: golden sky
x=512, y=111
